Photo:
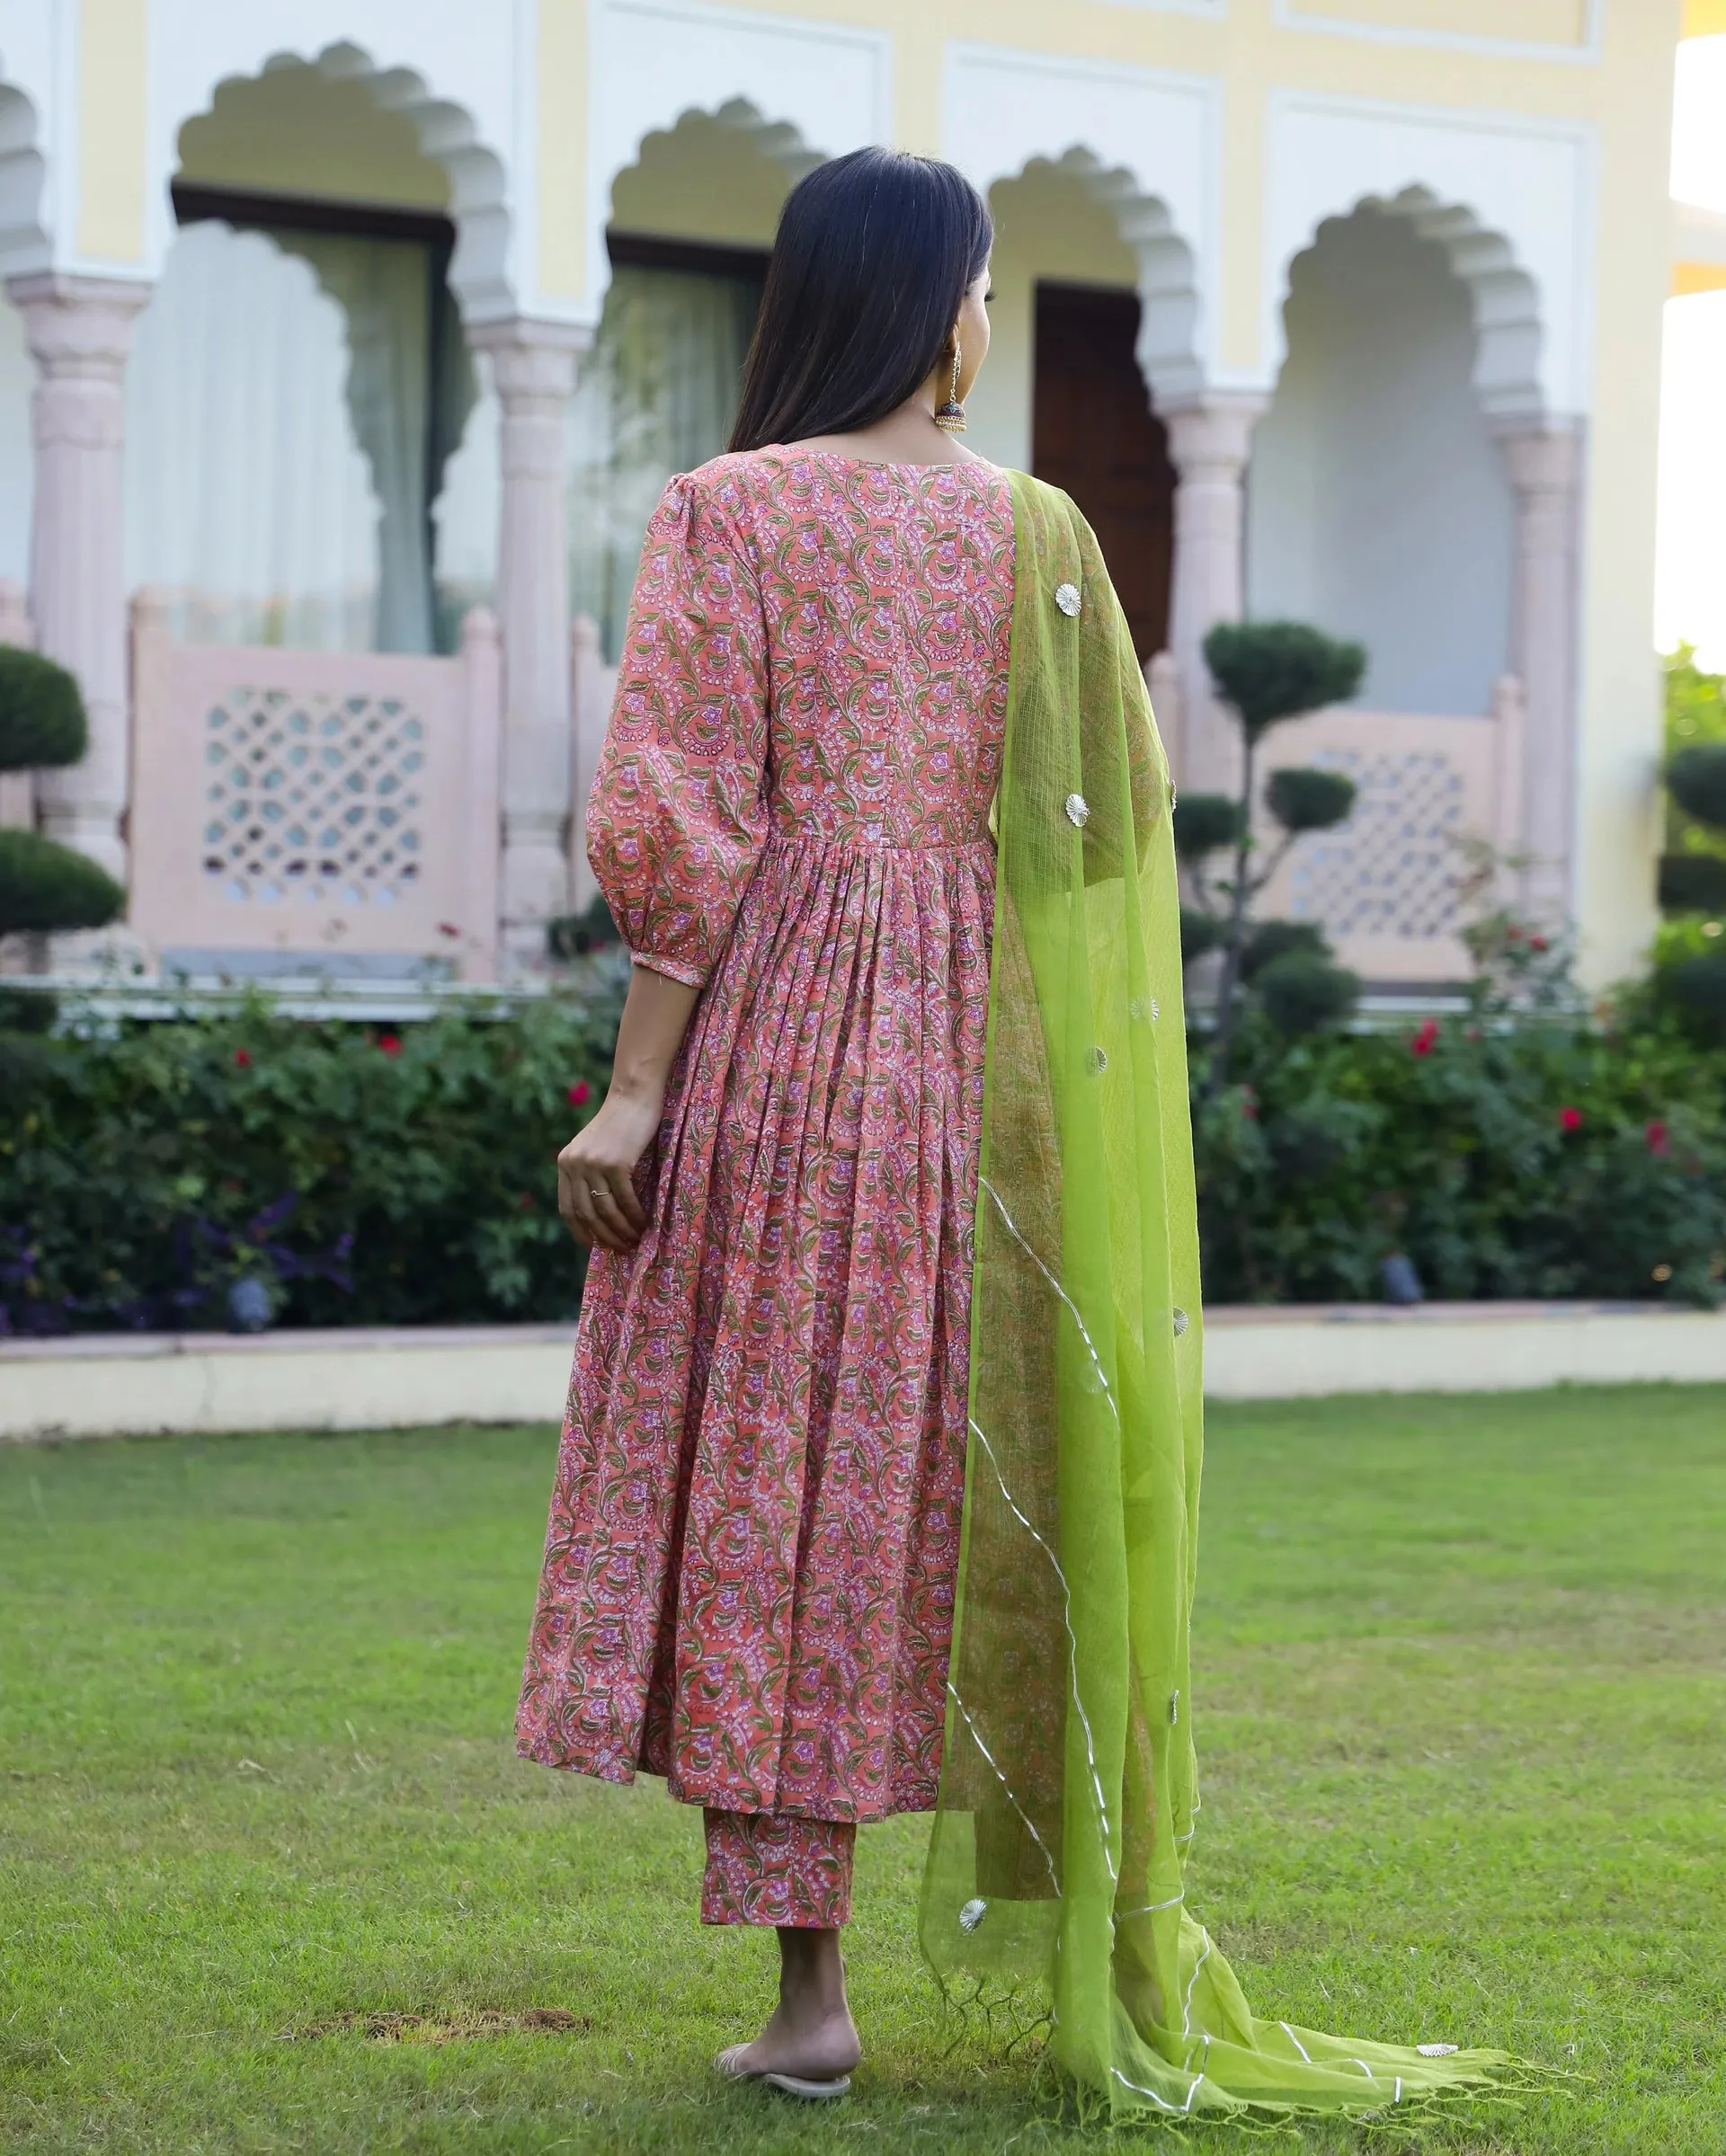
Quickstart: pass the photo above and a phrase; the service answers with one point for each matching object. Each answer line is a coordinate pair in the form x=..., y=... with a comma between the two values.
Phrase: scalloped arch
x=779, y=139
x=479, y=269
x=24, y=243
x=1169, y=290
x=1505, y=299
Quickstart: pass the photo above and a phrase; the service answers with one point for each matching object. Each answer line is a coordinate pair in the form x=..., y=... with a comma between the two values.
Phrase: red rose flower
x=1537, y=942
x=447, y=928
x=1426, y=1039
x=1660, y=1138
x=243, y=1059
x=389, y=1044
x=578, y=1093
x=1570, y=1119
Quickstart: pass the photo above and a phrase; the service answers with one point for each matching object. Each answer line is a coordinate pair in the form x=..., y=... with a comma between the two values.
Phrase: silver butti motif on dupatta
x=1066, y=597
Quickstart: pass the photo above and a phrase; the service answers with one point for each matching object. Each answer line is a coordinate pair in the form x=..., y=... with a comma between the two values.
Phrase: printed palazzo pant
x=771, y=1868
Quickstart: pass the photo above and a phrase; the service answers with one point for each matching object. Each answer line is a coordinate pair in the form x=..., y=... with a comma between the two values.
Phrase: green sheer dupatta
x=1068, y=1789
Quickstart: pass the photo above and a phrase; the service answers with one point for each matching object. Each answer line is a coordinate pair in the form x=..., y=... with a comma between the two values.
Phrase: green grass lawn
x=1461, y=1688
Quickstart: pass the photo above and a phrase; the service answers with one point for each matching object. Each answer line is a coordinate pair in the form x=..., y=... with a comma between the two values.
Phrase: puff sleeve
x=677, y=814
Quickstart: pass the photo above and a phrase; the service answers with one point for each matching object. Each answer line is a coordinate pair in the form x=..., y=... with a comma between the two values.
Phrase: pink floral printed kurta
x=750, y=1571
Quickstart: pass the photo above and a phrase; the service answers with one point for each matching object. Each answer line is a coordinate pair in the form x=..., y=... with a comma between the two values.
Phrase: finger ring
x=598, y=1190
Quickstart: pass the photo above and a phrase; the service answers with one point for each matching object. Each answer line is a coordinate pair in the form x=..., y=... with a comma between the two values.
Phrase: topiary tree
x=44, y=888
x=1266, y=672
x=1693, y=882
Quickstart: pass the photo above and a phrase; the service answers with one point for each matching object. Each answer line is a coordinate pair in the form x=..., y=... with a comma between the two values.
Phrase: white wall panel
x=806, y=90
x=1512, y=195
x=451, y=66
x=1150, y=141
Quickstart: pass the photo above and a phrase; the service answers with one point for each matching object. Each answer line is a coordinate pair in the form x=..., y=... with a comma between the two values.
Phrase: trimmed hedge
x=371, y=1175
x=368, y=1175
x=44, y=886
x=1545, y=1156
x=41, y=713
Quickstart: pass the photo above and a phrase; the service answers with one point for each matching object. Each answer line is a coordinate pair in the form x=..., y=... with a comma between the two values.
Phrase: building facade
x=347, y=343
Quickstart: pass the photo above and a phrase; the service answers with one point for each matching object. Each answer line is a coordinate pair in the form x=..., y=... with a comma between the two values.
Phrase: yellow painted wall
x=561, y=82
x=1620, y=730
x=1559, y=22
x=1705, y=18
x=701, y=181
x=111, y=119
x=1698, y=276
x=295, y=131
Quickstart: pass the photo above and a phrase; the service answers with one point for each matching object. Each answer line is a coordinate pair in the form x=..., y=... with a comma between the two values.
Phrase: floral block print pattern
x=749, y=1568
x=768, y=1867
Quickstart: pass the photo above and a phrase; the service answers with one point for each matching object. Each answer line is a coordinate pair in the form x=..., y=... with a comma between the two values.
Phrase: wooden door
x=1093, y=433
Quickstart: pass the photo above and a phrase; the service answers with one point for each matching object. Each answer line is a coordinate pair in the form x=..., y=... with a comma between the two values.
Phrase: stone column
x=533, y=366
x=1545, y=460
x=79, y=330
x=1209, y=440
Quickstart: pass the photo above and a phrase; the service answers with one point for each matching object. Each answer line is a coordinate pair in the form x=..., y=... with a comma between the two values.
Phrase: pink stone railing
x=316, y=803
x=1388, y=886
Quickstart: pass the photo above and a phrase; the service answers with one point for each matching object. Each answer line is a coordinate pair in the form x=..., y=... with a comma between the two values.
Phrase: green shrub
x=572, y=935
x=1693, y=882
x=368, y=1175
x=1696, y=780
x=41, y=713
x=1548, y=1157
x=1309, y=800
x=1275, y=939
x=1205, y=823
x=1268, y=671
x=1696, y=986
x=1303, y=990
x=372, y=1176
x=45, y=887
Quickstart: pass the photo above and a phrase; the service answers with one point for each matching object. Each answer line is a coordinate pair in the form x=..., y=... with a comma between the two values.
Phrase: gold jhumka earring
x=950, y=416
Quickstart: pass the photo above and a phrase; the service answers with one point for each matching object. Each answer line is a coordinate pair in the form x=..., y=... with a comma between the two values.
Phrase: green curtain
x=1055, y=1878
x=656, y=394
x=411, y=384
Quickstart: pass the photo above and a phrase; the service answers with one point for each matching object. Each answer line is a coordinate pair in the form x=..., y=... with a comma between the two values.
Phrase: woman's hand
x=596, y=1188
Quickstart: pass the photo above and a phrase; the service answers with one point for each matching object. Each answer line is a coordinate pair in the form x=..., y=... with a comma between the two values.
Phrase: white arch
x=1509, y=197
x=480, y=271
x=1504, y=297
x=805, y=91
x=1167, y=282
x=24, y=243
x=1146, y=144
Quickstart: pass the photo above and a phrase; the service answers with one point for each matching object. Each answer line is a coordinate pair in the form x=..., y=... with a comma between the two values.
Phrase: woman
x=868, y=679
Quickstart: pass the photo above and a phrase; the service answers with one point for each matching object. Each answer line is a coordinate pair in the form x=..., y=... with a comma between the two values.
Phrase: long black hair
x=874, y=254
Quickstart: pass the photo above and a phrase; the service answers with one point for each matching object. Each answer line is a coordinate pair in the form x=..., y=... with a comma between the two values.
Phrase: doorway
x=1094, y=434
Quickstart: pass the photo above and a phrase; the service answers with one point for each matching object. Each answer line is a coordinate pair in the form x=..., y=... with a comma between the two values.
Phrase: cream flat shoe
x=793, y=2084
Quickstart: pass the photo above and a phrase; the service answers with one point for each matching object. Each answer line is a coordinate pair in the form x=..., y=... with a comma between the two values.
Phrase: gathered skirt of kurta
x=751, y=1564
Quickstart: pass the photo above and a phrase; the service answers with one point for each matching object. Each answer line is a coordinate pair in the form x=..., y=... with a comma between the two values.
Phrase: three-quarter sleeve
x=678, y=816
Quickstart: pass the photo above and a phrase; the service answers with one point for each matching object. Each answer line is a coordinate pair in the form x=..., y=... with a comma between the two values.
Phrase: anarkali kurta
x=750, y=1570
